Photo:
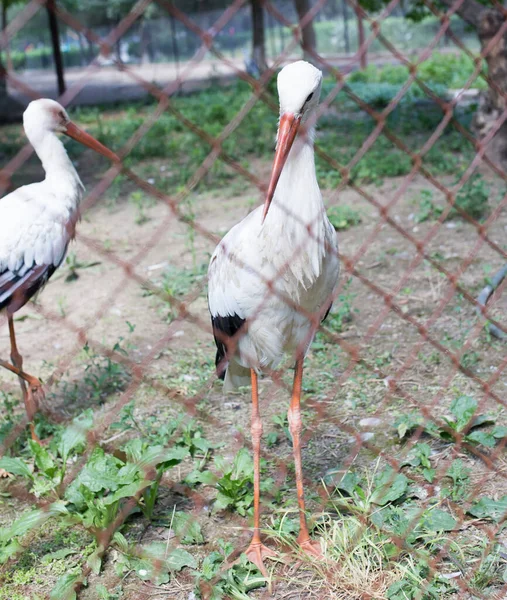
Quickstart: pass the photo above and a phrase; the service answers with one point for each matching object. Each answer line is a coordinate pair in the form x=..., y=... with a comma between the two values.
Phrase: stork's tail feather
x=221, y=364
x=235, y=376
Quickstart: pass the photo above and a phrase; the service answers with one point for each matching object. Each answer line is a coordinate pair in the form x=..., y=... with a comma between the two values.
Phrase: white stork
x=272, y=278
x=37, y=222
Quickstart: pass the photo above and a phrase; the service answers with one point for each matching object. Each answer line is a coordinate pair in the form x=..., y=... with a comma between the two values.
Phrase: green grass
x=340, y=134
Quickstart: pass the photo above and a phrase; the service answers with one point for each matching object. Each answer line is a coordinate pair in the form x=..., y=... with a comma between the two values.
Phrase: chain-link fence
x=143, y=484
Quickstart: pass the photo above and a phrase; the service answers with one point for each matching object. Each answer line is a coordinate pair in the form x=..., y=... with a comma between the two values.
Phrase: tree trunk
x=8, y=45
x=10, y=109
x=82, y=51
x=346, y=36
x=258, y=43
x=55, y=41
x=308, y=33
x=492, y=103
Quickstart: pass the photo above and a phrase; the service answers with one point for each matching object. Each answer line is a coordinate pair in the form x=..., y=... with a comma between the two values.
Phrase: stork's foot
x=256, y=553
x=311, y=547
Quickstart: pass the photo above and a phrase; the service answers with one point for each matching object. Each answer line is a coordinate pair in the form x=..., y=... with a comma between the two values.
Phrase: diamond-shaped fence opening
x=142, y=483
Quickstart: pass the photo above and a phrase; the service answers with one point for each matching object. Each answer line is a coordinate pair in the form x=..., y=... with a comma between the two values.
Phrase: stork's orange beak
x=88, y=140
x=289, y=126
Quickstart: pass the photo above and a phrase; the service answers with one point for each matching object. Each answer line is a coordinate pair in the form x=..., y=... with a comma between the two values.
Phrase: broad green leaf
x=43, y=460
x=121, y=541
x=126, y=491
x=204, y=477
x=179, y=558
x=187, y=528
x=10, y=550
x=390, y=486
x=15, y=466
x=243, y=464
x=463, y=409
x=438, y=520
x=487, y=508
x=100, y=472
x=75, y=434
x=221, y=502
x=481, y=420
x=34, y=518
x=349, y=482
x=211, y=564
x=64, y=588
x=156, y=562
x=499, y=431
x=95, y=561
x=429, y=474
x=486, y=438
x=58, y=554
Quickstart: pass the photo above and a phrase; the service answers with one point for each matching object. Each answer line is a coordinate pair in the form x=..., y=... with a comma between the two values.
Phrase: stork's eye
x=310, y=96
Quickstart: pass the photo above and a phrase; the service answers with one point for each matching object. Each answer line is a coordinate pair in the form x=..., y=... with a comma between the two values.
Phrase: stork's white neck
x=61, y=175
x=297, y=211
x=297, y=194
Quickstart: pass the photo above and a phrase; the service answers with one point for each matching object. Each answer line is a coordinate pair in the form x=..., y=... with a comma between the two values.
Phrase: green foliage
x=234, y=582
x=374, y=512
x=427, y=209
x=235, y=487
x=46, y=467
x=463, y=422
x=449, y=70
x=103, y=377
x=102, y=487
x=153, y=562
x=459, y=474
x=343, y=217
x=74, y=266
x=419, y=457
x=473, y=197
x=342, y=313
x=487, y=508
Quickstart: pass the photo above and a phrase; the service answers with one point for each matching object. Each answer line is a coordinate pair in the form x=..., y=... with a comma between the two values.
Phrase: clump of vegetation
x=452, y=70
x=427, y=209
x=462, y=423
x=473, y=197
x=343, y=216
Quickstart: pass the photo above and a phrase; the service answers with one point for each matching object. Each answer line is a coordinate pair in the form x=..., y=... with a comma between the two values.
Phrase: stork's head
x=299, y=86
x=45, y=116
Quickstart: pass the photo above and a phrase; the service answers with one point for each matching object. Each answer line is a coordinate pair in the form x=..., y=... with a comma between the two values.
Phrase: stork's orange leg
x=295, y=426
x=257, y=551
x=32, y=394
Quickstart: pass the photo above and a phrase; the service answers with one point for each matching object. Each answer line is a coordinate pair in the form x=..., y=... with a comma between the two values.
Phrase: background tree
x=258, y=35
x=487, y=21
x=307, y=30
x=55, y=42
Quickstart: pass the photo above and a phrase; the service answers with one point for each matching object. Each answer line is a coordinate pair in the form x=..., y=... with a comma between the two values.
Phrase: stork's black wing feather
x=327, y=312
x=17, y=288
x=224, y=328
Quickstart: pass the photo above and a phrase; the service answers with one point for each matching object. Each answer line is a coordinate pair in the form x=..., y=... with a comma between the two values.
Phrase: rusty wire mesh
x=422, y=336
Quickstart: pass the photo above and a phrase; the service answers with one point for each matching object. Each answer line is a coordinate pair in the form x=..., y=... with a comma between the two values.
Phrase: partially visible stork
x=273, y=276
x=37, y=222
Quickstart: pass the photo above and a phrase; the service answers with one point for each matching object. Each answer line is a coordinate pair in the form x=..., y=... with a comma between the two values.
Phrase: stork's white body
x=37, y=220
x=296, y=249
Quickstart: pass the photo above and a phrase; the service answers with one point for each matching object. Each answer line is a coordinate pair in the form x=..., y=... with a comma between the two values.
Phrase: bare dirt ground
x=350, y=408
